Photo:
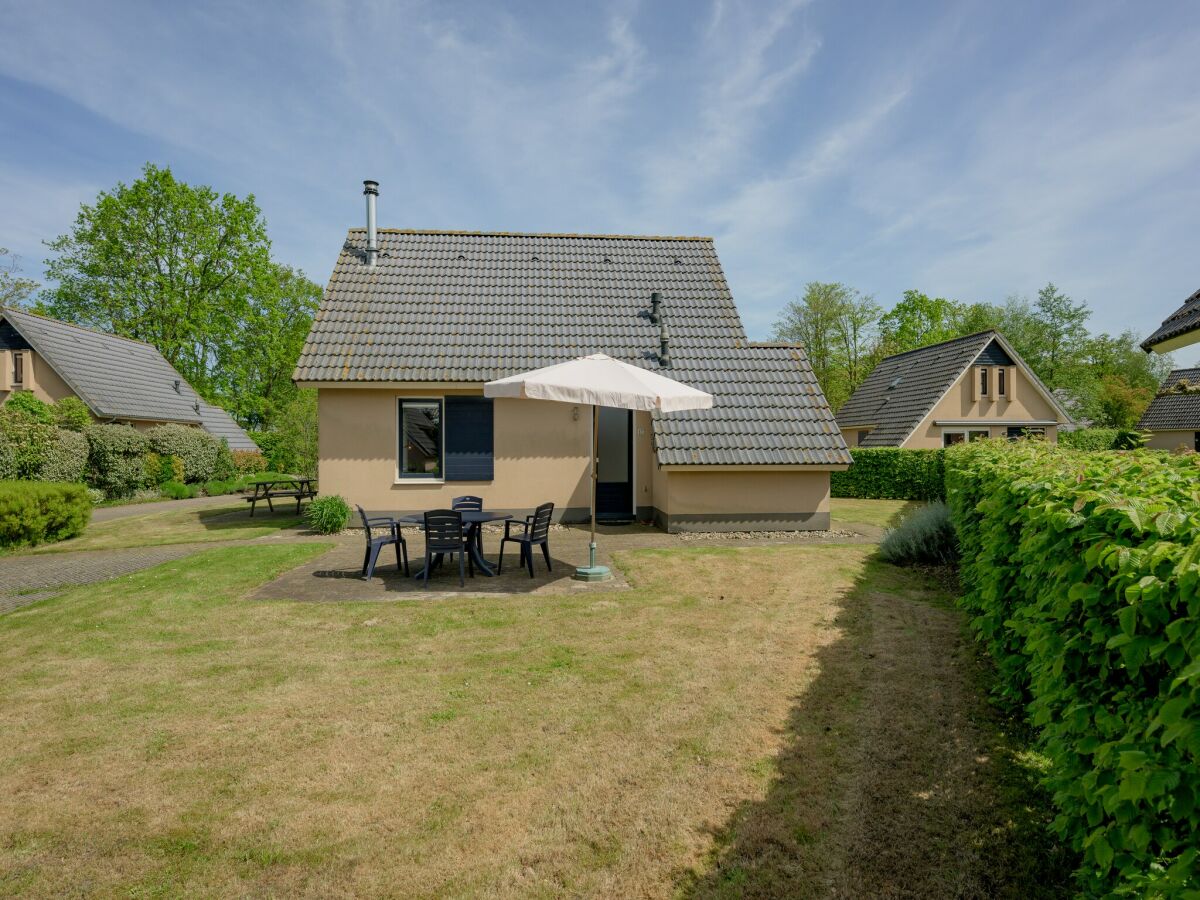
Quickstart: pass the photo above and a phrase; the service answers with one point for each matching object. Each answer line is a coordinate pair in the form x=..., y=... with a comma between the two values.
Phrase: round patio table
x=473, y=519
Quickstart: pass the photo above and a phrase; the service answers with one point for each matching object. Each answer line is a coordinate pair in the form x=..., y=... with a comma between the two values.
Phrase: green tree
x=189, y=271
x=837, y=327
x=1118, y=404
x=15, y=290
x=919, y=320
x=1062, y=336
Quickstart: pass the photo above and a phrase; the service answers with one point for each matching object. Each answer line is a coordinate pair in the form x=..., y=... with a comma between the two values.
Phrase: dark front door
x=614, y=484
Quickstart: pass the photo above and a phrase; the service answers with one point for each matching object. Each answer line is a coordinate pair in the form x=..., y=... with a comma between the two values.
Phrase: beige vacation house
x=413, y=323
x=967, y=389
x=120, y=380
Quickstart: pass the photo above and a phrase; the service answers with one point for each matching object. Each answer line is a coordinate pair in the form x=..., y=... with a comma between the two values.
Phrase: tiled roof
x=470, y=307
x=902, y=389
x=1174, y=412
x=121, y=378
x=1183, y=320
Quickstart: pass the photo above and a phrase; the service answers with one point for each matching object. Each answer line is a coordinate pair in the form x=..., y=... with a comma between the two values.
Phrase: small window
x=862, y=436
x=18, y=368
x=420, y=427
x=1197, y=438
x=983, y=382
x=1001, y=382
x=979, y=435
x=950, y=438
x=1018, y=432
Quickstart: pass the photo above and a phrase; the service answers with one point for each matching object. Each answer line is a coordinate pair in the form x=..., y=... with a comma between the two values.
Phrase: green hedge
x=36, y=512
x=65, y=457
x=1082, y=577
x=1101, y=439
x=198, y=449
x=116, y=459
x=891, y=473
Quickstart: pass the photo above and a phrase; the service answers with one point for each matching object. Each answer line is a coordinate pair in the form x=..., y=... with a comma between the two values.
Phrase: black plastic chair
x=535, y=532
x=471, y=504
x=444, y=535
x=376, y=543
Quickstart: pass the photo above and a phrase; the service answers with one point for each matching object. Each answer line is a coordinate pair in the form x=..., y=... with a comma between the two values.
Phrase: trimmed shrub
x=891, y=473
x=224, y=470
x=65, y=458
x=327, y=515
x=8, y=460
x=72, y=414
x=116, y=463
x=178, y=491
x=249, y=462
x=34, y=512
x=28, y=403
x=26, y=436
x=1082, y=573
x=196, y=447
x=1088, y=439
x=96, y=496
x=926, y=537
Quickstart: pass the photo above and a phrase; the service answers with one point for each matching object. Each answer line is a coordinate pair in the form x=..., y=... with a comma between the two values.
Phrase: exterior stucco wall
x=748, y=500
x=40, y=380
x=1027, y=404
x=1172, y=440
x=541, y=453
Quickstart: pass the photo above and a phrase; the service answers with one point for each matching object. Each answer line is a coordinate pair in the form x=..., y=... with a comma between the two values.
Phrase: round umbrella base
x=592, y=573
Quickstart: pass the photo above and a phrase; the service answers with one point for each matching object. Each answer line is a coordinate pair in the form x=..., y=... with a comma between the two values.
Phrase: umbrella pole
x=595, y=475
x=594, y=572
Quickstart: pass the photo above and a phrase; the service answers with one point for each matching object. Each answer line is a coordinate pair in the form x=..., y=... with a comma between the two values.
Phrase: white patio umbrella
x=599, y=380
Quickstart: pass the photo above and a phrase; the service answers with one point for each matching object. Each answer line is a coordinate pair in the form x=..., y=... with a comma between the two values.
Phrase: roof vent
x=196, y=406
x=608, y=259
x=177, y=390
x=655, y=306
x=678, y=261
x=371, y=191
x=535, y=258
x=895, y=382
x=462, y=256
x=664, y=345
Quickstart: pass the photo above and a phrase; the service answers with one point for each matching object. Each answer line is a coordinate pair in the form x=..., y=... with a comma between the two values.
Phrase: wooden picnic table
x=292, y=487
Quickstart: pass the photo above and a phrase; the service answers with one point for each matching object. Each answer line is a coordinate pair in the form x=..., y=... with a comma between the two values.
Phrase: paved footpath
x=107, y=513
x=28, y=578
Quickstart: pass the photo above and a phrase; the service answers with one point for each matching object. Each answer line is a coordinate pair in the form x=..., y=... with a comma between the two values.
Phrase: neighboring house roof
x=1174, y=412
x=120, y=378
x=1177, y=327
x=470, y=307
x=902, y=390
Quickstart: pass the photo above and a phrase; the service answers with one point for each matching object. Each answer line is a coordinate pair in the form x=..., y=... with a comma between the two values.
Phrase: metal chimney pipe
x=371, y=191
x=655, y=306
x=664, y=345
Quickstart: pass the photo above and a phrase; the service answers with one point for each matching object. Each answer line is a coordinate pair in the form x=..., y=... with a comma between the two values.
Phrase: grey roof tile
x=121, y=378
x=1174, y=412
x=1183, y=320
x=464, y=306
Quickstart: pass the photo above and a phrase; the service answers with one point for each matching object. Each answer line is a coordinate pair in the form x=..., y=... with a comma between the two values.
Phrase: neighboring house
x=408, y=334
x=1173, y=416
x=967, y=389
x=120, y=380
x=1180, y=329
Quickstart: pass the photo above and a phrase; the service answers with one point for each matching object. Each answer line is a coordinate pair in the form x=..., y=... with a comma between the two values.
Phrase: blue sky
x=971, y=150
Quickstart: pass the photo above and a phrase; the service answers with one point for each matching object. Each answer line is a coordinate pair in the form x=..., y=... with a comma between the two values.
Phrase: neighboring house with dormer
x=961, y=390
x=1172, y=419
x=121, y=380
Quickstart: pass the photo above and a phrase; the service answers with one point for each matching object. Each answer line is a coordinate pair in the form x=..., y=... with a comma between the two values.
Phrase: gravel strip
x=709, y=536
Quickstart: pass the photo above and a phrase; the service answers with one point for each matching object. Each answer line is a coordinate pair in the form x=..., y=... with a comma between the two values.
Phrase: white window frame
x=982, y=435
x=403, y=477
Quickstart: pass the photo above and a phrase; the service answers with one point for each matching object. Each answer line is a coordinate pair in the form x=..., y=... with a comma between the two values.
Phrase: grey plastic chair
x=535, y=532
x=376, y=543
x=444, y=535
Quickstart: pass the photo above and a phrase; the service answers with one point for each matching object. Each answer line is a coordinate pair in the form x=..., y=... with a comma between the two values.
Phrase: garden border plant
x=1082, y=577
x=891, y=473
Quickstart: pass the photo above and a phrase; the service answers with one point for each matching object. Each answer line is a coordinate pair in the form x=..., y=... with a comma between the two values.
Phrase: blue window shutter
x=469, y=435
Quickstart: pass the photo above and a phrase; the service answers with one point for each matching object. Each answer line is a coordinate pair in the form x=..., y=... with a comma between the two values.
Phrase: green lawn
x=177, y=526
x=722, y=728
x=877, y=513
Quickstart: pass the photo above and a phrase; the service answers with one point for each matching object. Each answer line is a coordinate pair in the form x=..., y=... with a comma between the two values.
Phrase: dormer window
x=1001, y=386
x=983, y=381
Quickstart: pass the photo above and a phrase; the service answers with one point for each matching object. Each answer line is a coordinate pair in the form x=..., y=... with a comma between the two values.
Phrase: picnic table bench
x=298, y=489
